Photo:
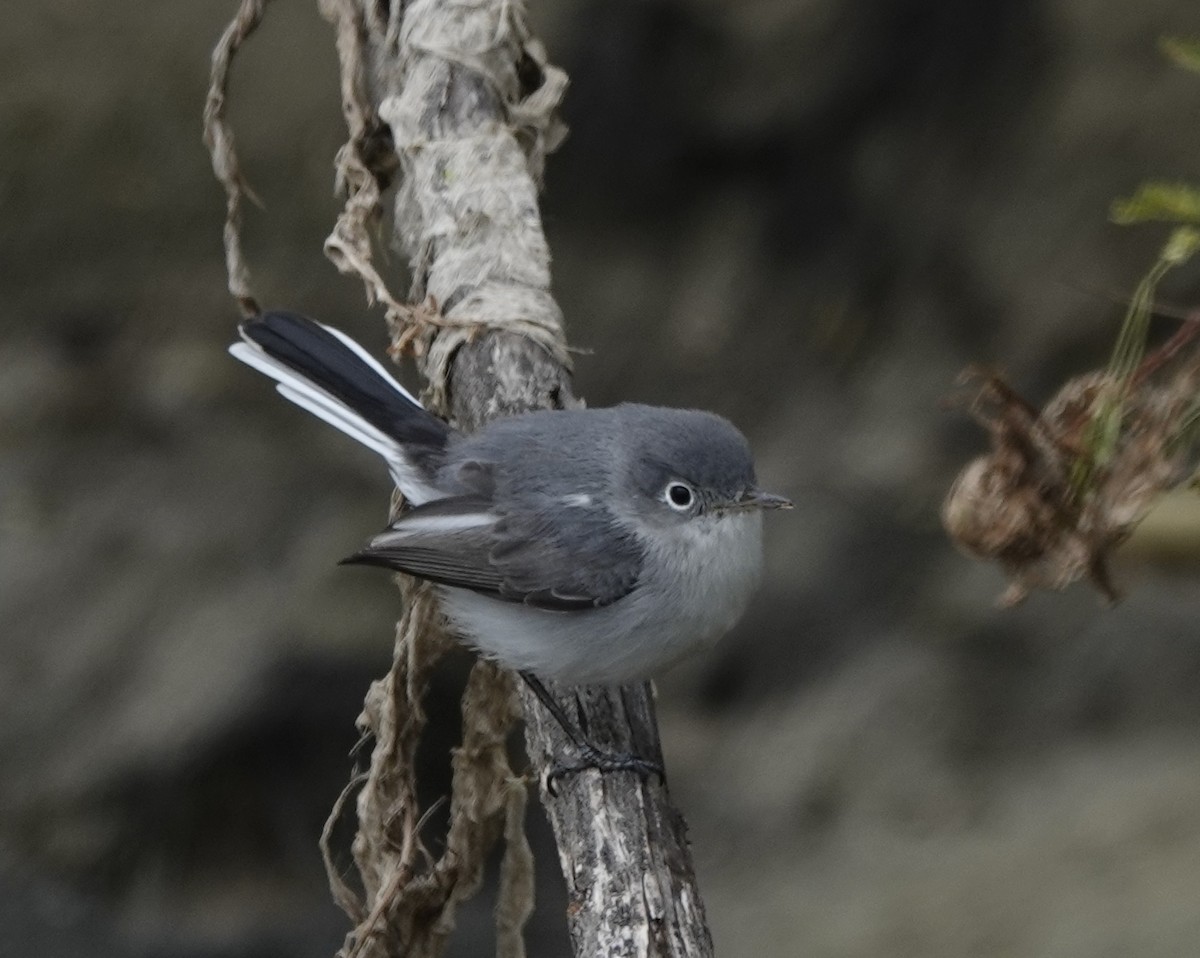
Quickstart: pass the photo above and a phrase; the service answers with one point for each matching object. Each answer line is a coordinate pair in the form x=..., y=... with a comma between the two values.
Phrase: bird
x=593, y=546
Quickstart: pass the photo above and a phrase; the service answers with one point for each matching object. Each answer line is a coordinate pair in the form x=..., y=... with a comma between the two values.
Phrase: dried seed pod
x=1063, y=486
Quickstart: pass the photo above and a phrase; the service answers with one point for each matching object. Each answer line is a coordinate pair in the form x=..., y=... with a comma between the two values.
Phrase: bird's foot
x=591, y=757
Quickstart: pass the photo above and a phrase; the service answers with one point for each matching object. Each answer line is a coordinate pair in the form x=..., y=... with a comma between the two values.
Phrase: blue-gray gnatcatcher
x=582, y=546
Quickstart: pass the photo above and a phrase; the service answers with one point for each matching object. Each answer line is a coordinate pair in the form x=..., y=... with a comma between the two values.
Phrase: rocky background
x=806, y=215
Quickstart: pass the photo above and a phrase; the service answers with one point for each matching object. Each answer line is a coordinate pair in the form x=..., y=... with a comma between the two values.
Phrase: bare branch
x=459, y=100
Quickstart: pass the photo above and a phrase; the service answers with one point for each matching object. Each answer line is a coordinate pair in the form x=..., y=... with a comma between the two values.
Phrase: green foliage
x=1182, y=52
x=1131, y=341
x=1153, y=201
x=1159, y=202
x=1104, y=432
x=1156, y=200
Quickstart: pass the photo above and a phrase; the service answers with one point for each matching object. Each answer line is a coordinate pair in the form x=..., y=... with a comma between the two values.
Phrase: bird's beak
x=757, y=499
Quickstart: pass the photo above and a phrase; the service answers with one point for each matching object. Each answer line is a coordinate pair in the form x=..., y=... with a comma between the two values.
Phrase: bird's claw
x=603, y=762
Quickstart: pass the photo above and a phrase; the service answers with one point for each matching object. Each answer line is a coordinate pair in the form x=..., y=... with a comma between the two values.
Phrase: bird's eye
x=679, y=496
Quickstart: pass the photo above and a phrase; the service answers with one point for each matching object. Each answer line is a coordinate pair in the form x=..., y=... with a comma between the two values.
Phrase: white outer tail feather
x=300, y=390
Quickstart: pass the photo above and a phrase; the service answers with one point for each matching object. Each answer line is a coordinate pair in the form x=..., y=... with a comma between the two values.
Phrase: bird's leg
x=589, y=755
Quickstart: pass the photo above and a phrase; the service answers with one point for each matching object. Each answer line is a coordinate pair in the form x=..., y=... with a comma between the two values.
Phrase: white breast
x=718, y=562
x=698, y=578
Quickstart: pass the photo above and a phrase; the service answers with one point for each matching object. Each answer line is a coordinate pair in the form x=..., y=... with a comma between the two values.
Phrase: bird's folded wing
x=447, y=541
x=573, y=559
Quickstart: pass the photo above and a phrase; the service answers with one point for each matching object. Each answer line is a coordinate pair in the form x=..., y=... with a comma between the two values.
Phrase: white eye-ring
x=679, y=496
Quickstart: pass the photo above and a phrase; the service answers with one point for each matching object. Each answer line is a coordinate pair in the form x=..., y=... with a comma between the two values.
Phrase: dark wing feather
x=566, y=558
x=551, y=558
x=447, y=541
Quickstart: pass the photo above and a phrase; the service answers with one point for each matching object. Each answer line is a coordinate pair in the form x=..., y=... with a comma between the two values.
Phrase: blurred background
x=808, y=216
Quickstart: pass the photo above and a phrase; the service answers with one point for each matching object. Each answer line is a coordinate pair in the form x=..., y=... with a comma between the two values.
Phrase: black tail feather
x=322, y=358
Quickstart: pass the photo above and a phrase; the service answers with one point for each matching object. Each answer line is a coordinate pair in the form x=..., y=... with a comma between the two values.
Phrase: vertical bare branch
x=459, y=98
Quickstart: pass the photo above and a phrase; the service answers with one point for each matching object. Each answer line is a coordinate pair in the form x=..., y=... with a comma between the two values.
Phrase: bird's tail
x=324, y=371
